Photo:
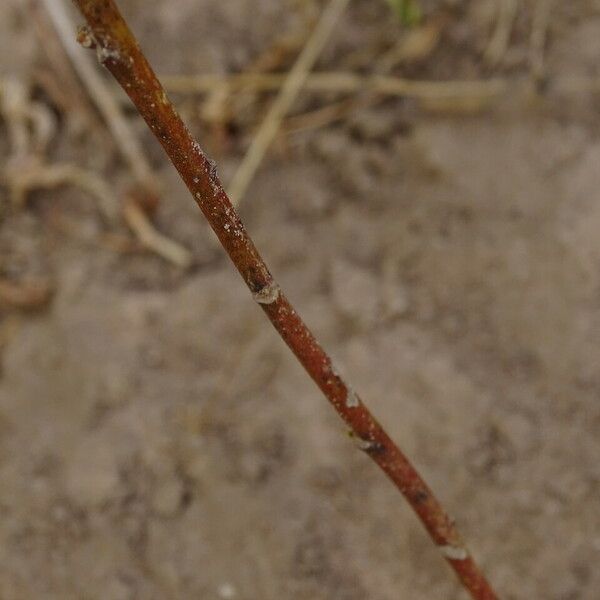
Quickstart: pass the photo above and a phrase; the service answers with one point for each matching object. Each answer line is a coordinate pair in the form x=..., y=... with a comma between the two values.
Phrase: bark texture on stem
x=118, y=50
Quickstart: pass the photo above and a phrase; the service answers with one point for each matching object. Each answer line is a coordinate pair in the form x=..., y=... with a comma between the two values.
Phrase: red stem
x=118, y=50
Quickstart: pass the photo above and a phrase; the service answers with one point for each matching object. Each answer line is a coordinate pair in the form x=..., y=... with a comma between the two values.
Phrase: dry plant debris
x=125, y=139
x=292, y=85
x=347, y=83
x=499, y=41
x=537, y=41
x=31, y=125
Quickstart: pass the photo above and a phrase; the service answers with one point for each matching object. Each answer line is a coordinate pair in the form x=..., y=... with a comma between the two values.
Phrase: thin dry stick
x=281, y=105
x=151, y=238
x=73, y=99
x=537, y=41
x=498, y=44
x=118, y=50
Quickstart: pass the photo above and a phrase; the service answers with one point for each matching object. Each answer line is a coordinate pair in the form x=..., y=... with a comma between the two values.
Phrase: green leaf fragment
x=408, y=11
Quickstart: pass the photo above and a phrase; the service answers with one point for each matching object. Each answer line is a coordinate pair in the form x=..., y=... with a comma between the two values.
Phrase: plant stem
x=118, y=50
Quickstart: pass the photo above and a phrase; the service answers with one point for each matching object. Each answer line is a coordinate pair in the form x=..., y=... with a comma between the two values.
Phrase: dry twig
x=138, y=221
x=30, y=124
x=281, y=105
x=119, y=51
x=62, y=84
x=498, y=44
x=537, y=41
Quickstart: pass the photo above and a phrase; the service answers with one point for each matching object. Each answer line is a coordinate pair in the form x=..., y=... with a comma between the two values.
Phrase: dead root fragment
x=30, y=124
x=152, y=239
x=25, y=176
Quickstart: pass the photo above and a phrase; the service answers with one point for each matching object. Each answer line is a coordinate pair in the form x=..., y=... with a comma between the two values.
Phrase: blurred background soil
x=157, y=440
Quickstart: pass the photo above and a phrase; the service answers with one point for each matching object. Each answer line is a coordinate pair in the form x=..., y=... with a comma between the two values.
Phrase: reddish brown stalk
x=118, y=50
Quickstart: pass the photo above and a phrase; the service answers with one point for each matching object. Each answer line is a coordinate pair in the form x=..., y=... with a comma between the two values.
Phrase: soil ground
x=157, y=440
